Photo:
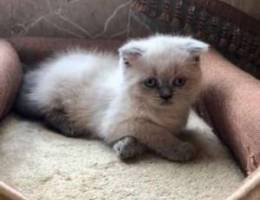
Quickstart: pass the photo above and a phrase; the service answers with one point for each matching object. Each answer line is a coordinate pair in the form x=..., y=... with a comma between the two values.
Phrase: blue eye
x=179, y=82
x=150, y=82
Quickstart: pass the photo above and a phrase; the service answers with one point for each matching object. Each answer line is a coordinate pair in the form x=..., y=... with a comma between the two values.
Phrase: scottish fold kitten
x=138, y=100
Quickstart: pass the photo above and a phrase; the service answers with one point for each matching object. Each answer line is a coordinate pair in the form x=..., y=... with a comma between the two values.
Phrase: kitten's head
x=163, y=70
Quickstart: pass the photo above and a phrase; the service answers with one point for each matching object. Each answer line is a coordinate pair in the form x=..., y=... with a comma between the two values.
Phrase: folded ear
x=130, y=54
x=196, y=47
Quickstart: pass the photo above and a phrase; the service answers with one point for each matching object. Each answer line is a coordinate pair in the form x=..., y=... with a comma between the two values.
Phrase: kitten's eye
x=179, y=82
x=150, y=82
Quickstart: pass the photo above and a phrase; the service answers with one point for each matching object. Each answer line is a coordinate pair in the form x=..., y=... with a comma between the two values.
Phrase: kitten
x=137, y=100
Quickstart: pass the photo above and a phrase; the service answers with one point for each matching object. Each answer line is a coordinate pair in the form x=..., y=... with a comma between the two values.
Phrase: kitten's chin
x=166, y=103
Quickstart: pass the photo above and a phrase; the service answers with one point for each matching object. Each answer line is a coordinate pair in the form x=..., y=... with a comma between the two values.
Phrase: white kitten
x=140, y=99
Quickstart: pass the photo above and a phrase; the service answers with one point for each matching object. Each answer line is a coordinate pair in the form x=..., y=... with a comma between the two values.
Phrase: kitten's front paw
x=184, y=152
x=128, y=147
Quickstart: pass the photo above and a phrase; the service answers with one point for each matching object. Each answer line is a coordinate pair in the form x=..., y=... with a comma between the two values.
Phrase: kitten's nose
x=165, y=94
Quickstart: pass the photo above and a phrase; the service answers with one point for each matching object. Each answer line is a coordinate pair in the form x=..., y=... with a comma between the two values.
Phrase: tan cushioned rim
x=232, y=98
x=10, y=76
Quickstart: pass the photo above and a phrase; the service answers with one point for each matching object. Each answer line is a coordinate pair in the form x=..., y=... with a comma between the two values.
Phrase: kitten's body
x=79, y=84
x=82, y=92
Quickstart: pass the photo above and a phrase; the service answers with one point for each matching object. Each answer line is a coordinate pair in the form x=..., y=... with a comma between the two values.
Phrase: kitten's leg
x=174, y=149
x=167, y=145
x=156, y=138
x=128, y=147
x=57, y=120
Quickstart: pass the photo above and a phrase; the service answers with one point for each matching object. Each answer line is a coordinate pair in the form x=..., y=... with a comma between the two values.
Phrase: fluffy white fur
x=102, y=94
x=85, y=82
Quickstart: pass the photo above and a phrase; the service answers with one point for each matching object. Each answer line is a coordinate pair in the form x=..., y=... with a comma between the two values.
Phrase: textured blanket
x=47, y=166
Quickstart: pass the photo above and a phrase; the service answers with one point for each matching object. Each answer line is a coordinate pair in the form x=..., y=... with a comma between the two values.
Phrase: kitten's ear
x=130, y=55
x=196, y=47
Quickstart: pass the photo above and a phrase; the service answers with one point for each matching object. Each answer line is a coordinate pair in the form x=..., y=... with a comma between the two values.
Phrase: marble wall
x=81, y=18
x=68, y=18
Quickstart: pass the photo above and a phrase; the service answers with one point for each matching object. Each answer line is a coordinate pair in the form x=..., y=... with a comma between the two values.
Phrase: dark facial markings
x=165, y=92
x=164, y=87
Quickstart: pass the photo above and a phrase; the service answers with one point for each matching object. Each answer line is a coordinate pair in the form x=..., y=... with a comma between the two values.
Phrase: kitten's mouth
x=165, y=102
